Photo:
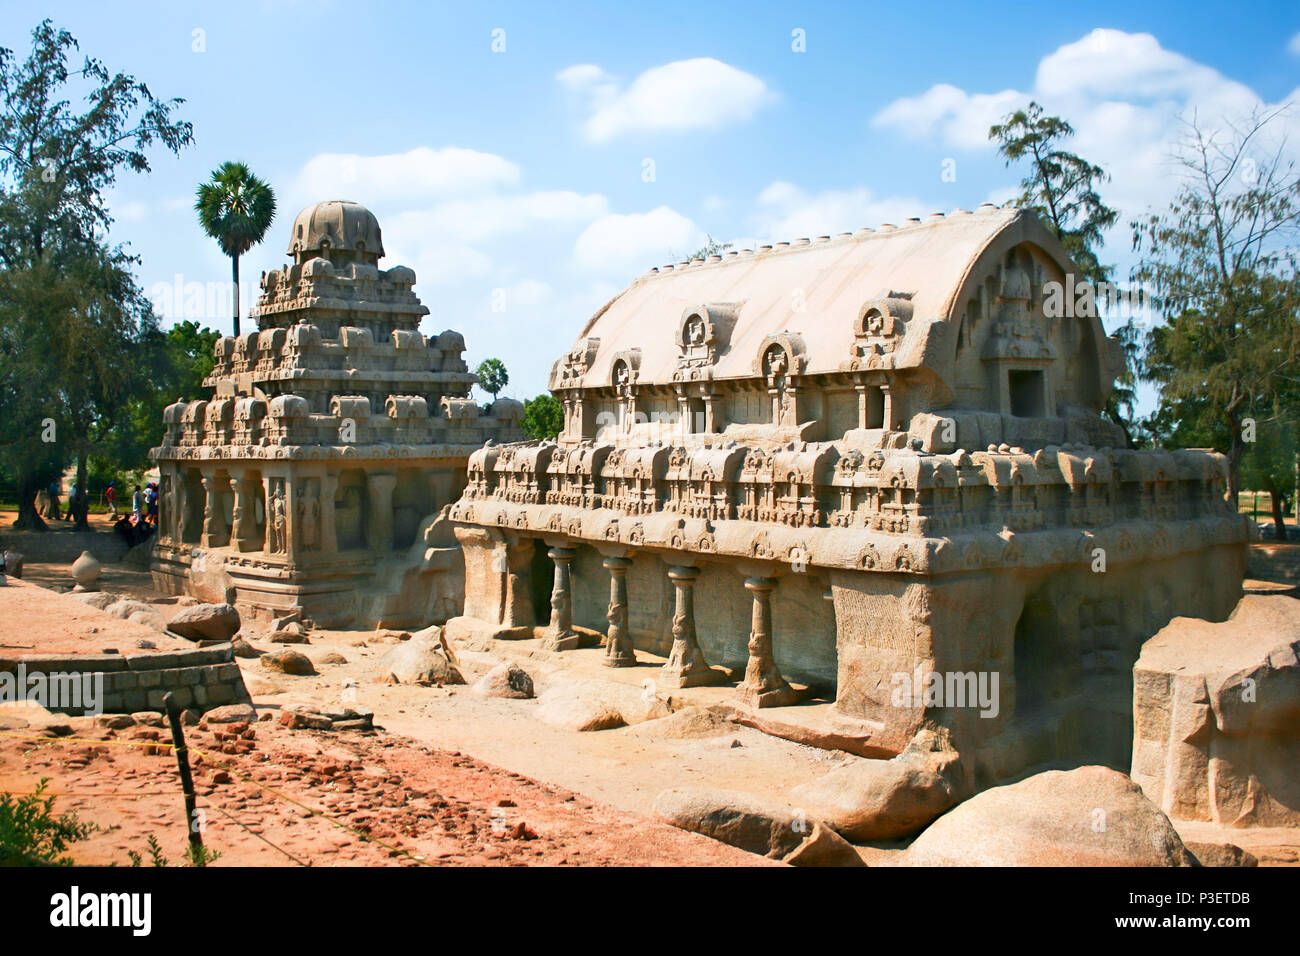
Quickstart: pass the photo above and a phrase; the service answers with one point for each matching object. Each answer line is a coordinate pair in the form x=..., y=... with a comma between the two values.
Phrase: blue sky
x=527, y=185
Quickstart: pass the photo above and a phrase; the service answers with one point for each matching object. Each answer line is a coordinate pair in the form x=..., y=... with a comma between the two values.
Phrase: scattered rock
x=313, y=716
x=421, y=662
x=390, y=637
x=1092, y=816
x=245, y=649
x=687, y=723
x=505, y=680
x=289, y=662
x=884, y=799
x=191, y=717
x=148, y=619
x=578, y=707
x=230, y=714
x=333, y=657
x=768, y=828
x=284, y=637
x=100, y=600
x=125, y=607
x=300, y=721
x=259, y=687
x=1221, y=854
x=115, y=721
x=214, y=622
x=10, y=722
x=14, y=564
x=148, y=718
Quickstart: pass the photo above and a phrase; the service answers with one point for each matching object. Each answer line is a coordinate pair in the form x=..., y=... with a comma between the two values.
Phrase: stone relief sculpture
x=282, y=432
x=905, y=469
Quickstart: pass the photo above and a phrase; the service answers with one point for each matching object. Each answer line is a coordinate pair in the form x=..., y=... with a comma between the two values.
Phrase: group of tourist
x=144, y=503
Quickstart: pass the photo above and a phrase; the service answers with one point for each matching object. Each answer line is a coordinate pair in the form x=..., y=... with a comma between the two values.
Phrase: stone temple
x=311, y=482
x=869, y=470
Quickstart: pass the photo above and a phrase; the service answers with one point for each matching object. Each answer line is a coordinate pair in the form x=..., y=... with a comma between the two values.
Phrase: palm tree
x=235, y=208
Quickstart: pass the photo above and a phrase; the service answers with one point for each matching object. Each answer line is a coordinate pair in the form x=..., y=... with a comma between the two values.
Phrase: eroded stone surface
x=765, y=827
x=827, y=502
x=1092, y=816
x=1217, y=716
x=313, y=477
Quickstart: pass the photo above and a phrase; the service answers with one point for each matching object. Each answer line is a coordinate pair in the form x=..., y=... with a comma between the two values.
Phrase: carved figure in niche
x=775, y=362
x=621, y=375
x=695, y=330
x=309, y=518
x=279, y=520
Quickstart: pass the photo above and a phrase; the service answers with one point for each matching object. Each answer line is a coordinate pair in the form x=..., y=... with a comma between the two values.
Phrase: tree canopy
x=71, y=315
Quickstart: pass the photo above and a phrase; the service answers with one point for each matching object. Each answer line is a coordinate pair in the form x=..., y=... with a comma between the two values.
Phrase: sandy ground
x=449, y=756
x=269, y=796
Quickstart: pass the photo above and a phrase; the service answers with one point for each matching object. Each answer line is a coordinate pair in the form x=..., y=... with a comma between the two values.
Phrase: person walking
x=54, y=490
x=137, y=505
x=110, y=497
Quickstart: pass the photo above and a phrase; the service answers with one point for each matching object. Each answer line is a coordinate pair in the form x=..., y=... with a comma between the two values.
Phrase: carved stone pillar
x=292, y=542
x=763, y=685
x=329, y=539
x=215, y=532
x=686, y=665
x=381, y=510
x=618, y=641
x=561, y=636
x=243, y=525
x=710, y=413
x=888, y=402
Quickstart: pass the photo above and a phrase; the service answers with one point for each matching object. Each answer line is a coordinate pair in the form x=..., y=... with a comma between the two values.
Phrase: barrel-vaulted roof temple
x=313, y=478
x=836, y=465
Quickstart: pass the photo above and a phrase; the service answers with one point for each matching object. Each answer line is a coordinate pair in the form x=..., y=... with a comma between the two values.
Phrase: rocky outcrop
x=289, y=662
x=573, y=706
x=424, y=659
x=885, y=799
x=1092, y=816
x=206, y=622
x=505, y=680
x=766, y=827
x=1216, y=713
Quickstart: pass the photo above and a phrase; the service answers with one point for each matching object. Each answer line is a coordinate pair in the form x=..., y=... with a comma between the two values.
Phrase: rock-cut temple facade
x=841, y=468
x=312, y=480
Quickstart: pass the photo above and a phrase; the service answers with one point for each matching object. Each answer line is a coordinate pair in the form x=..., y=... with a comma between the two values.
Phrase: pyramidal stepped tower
x=312, y=480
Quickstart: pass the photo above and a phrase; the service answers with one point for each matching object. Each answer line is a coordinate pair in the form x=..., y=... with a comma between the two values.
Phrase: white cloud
x=486, y=217
x=419, y=174
x=701, y=93
x=631, y=243
x=959, y=118
x=1125, y=95
x=1293, y=47
x=785, y=211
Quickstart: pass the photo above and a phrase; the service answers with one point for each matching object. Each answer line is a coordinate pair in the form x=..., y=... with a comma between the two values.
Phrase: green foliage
x=235, y=208
x=200, y=855
x=71, y=316
x=1061, y=187
x=1222, y=264
x=492, y=376
x=543, y=417
x=711, y=247
x=30, y=833
x=170, y=365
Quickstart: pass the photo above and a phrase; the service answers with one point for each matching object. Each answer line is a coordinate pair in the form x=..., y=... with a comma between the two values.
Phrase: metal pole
x=183, y=768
